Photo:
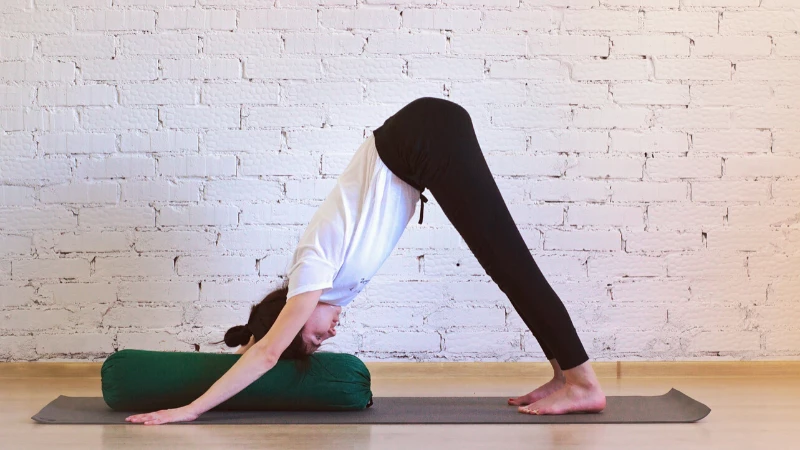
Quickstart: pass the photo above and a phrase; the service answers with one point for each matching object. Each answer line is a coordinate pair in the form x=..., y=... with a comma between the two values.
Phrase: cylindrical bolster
x=143, y=380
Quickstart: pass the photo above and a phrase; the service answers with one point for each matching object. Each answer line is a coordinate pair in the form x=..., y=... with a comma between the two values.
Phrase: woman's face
x=321, y=325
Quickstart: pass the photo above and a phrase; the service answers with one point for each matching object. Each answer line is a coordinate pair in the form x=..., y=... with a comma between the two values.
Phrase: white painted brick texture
x=159, y=161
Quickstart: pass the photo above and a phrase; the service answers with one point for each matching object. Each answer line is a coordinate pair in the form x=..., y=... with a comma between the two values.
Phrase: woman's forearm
x=250, y=367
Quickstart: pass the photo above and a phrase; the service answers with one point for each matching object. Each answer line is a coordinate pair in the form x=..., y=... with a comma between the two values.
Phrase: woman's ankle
x=582, y=375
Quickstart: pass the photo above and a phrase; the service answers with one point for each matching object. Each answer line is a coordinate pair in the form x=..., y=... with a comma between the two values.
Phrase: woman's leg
x=441, y=153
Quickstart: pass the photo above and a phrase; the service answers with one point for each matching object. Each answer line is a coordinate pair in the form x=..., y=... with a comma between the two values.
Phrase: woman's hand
x=183, y=414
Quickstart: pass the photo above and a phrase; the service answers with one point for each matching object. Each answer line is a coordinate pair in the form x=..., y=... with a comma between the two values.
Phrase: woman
x=428, y=144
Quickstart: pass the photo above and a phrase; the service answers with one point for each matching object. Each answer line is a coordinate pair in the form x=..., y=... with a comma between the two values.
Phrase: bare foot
x=570, y=398
x=539, y=393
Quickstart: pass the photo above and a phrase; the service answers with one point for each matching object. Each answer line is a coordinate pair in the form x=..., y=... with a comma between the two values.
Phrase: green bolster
x=143, y=380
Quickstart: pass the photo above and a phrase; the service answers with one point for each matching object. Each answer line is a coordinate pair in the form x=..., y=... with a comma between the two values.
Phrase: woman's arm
x=263, y=355
x=246, y=347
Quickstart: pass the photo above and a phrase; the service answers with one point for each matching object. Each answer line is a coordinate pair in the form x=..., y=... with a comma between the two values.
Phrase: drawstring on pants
x=422, y=206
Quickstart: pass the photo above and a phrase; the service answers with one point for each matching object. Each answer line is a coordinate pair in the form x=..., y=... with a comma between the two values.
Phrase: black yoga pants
x=431, y=143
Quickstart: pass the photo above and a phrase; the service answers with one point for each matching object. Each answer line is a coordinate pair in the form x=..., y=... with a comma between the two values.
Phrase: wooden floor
x=747, y=413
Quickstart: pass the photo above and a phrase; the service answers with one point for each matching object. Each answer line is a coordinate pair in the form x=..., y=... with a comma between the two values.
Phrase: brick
x=16, y=49
x=197, y=166
x=730, y=191
x=43, y=22
x=566, y=94
x=771, y=266
x=166, y=241
x=117, y=217
x=495, y=343
x=149, y=318
x=240, y=93
x=649, y=141
x=619, y=265
x=605, y=215
x=16, y=96
x=50, y=268
x=78, y=192
x=119, y=70
x=568, y=45
x=732, y=46
x=17, y=145
x=681, y=21
x=736, y=22
x=785, y=190
x=132, y=266
x=92, y=95
x=278, y=68
x=94, y=242
x=16, y=196
x=605, y=167
x=638, y=191
x=706, y=264
x=728, y=291
x=216, y=266
x=69, y=294
x=650, y=94
x=115, y=20
x=198, y=215
x=147, y=191
x=651, y=291
x=615, y=70
x=787, y=142
x=119, y=118
x=330, y=43
x=201, y=117
x=115, y=167
x=333, y=92
x=488, y=44
x=693, y=118
x=600, y=20
x=11, y=296
x=85, y=46
x=661, y=241
x=15, y=245
x=769, y=117
x=567, y=190
x=733, y=141
x=31, y=320
x=571, y=141
x=768, y=70
x=313, y=189
x=692, y=69
x=202, y=19
x=763, y=240
x=276, y=213
x=470, y=20
x=42, y=218
x=201, y=69
x=159, y=142
x=725, y=341
x=582, y=240
x=611, y=117
x=242, y=44
x=735, y=94
x=433, y=68
x=685, y=217
x=157, y=94
x=683, y=168
x=233, y=190
x=721, y=3
x=787, y=45
x=70, y=344
x=762, y=215
x=402, y=341
x=652, y=45
x=762, y=166
x=242, y=140
x=161, y=44
x=37, y=71
x=374, y=19
x=279, y=164
x=531, y=117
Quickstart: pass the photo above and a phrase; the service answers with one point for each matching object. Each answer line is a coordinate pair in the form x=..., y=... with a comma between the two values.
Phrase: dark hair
x=262, y=316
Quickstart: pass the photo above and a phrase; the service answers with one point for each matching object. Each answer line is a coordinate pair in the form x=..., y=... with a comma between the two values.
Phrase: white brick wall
x=159, y=160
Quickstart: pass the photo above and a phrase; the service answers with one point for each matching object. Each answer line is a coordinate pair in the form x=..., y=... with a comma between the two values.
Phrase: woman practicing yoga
x=428, y=144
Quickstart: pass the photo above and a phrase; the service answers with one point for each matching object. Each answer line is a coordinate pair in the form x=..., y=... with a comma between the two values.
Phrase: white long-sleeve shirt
x=354, y=230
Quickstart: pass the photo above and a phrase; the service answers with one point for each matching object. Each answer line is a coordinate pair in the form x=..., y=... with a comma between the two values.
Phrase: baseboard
x=618, y=369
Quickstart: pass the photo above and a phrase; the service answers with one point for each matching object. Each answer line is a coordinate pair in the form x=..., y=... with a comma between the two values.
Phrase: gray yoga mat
x=672, y=407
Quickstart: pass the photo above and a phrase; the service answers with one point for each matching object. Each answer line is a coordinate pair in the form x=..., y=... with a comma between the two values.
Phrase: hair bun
x=238, y=335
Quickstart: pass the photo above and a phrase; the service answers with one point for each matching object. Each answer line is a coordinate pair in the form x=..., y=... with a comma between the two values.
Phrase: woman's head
x=319, y=326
